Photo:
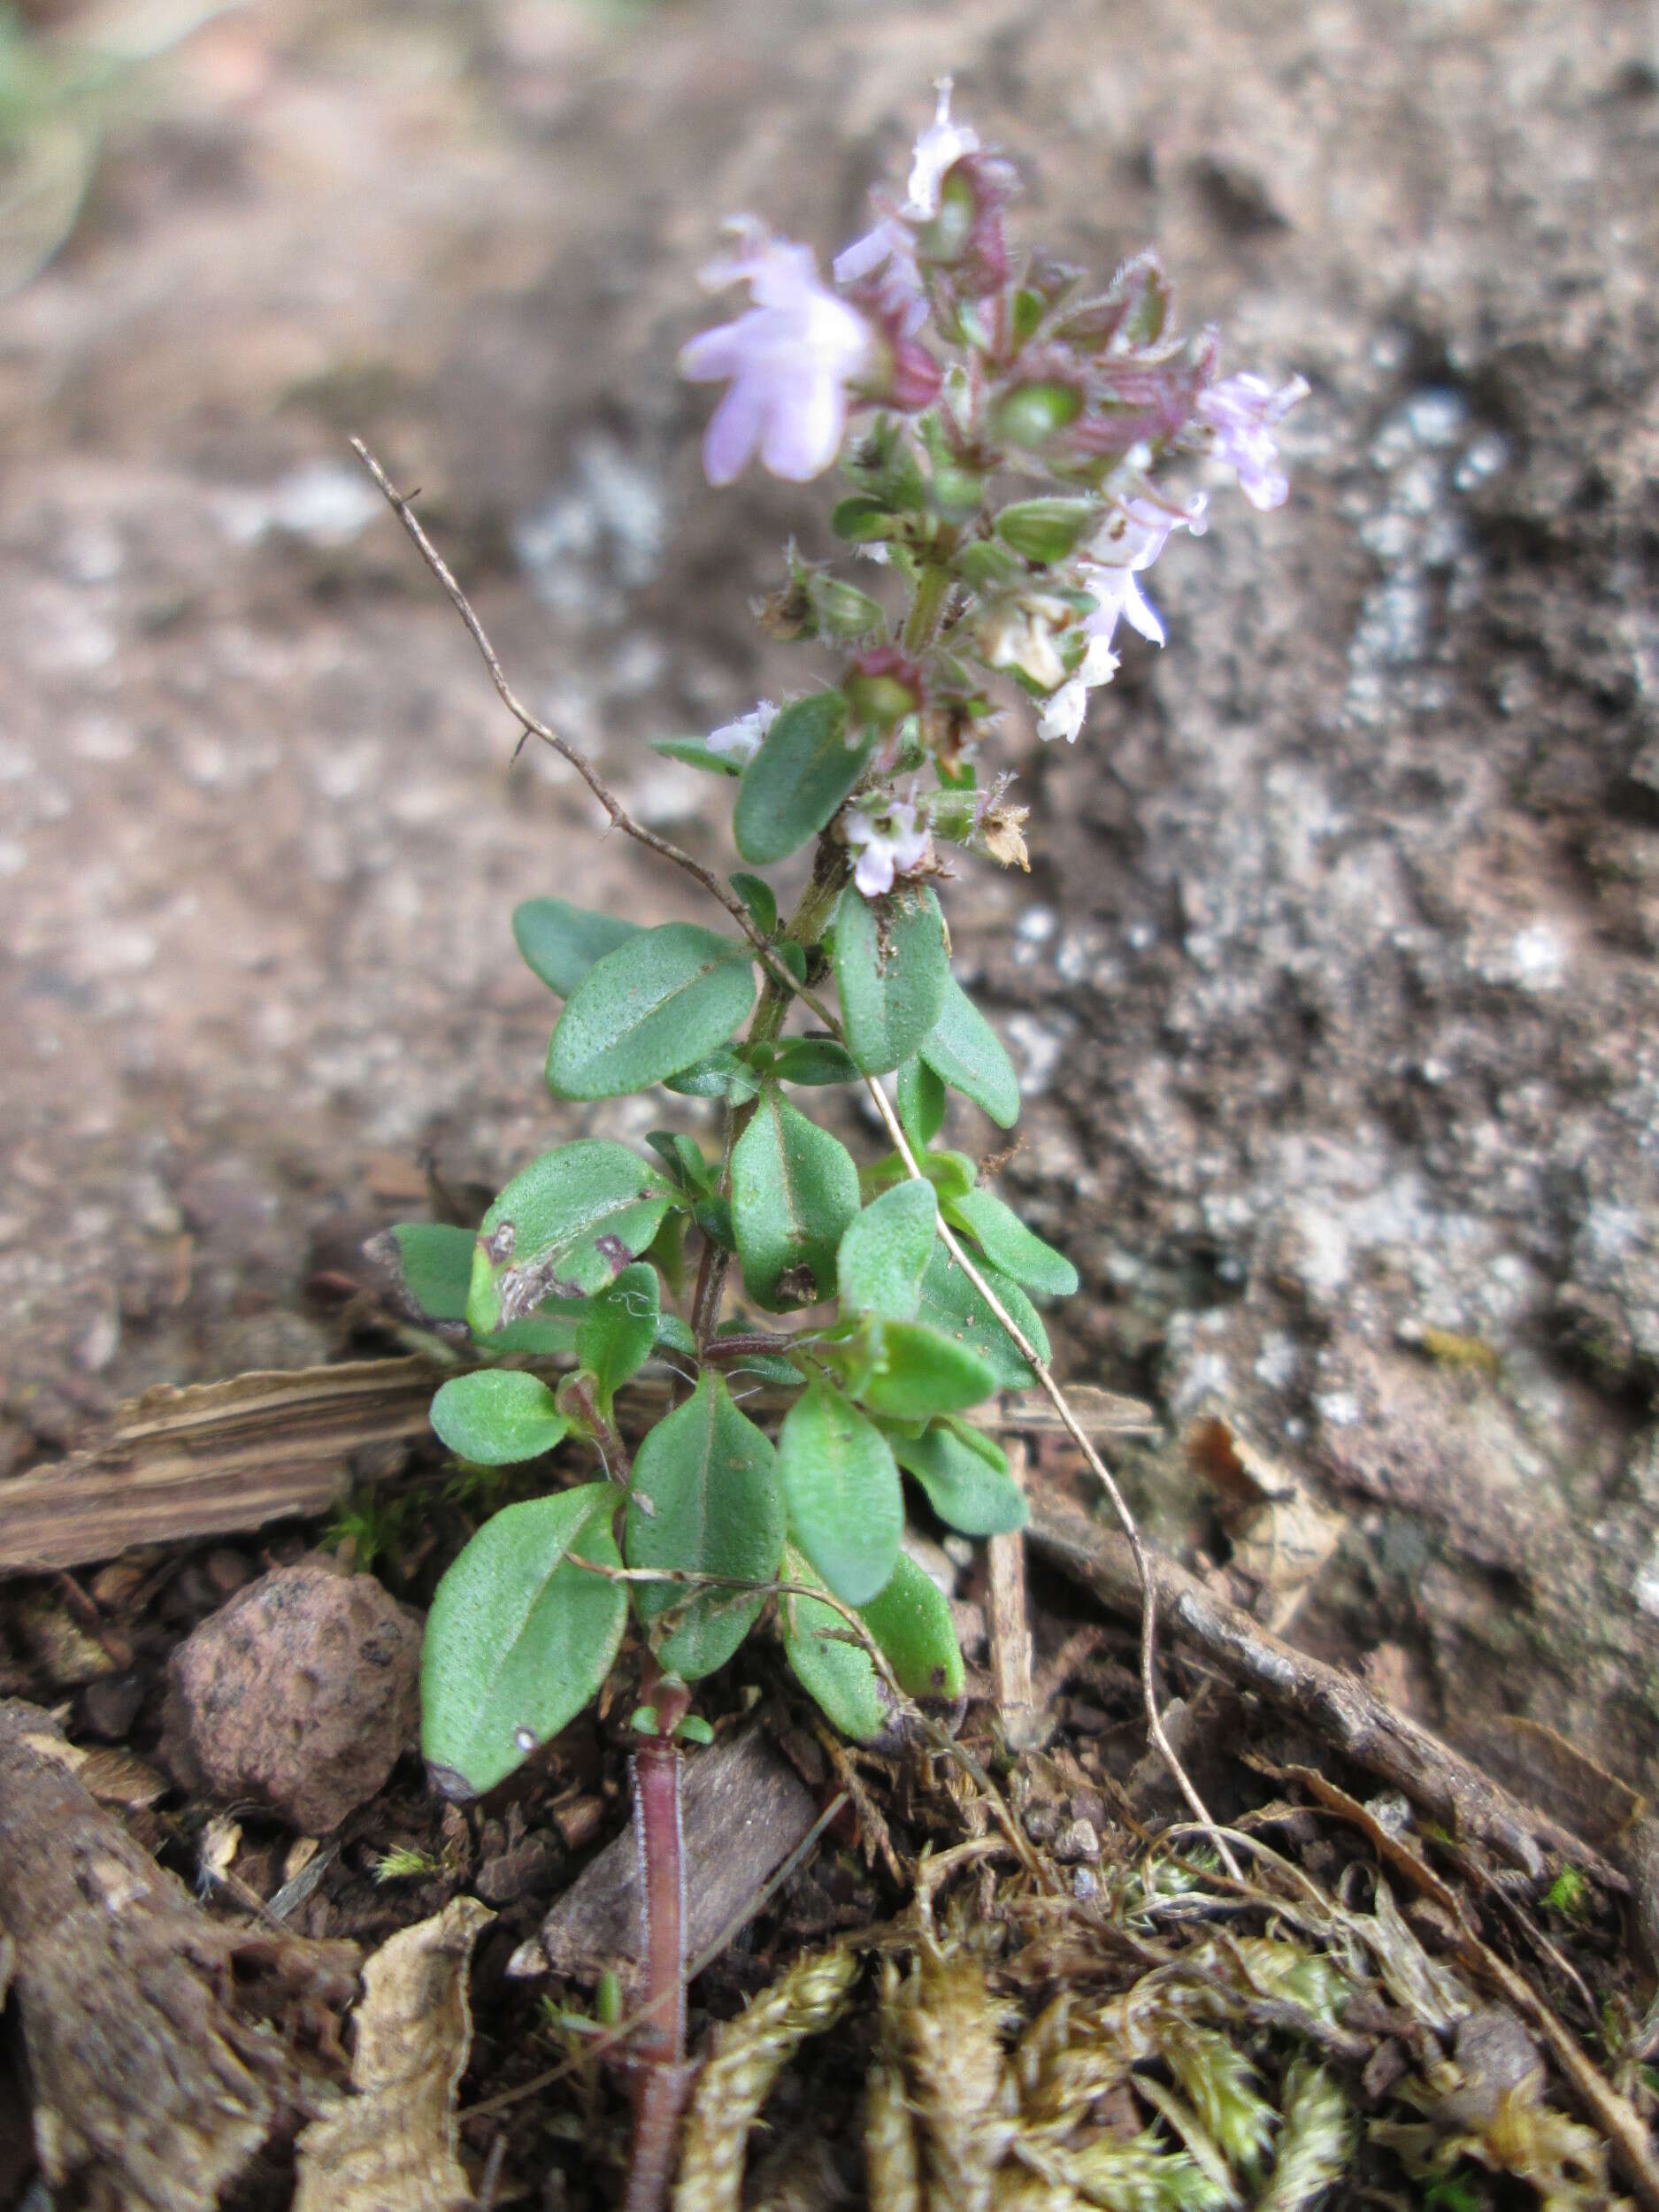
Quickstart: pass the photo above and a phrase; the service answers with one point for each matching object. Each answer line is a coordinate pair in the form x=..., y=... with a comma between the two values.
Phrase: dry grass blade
x=733, y=2086
x=391, y=2147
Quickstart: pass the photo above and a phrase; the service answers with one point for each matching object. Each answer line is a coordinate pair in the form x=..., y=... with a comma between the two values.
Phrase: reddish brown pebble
x=579, y=1820
x=299, y=1694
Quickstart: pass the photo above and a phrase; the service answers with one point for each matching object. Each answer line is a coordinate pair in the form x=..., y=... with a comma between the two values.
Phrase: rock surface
x=301, y=1693
x=1333, y=989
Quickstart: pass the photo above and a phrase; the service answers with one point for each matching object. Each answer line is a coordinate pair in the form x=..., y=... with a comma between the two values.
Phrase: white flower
x=1063, y=713
x=1243, y=413
x=790, y=360
x=1133, y=536
x=893, y=844
x=741, y=740
x=1020, y=633
x=941, y=146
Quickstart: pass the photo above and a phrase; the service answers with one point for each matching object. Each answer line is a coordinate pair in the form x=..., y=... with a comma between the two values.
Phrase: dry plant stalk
x=750, y=2053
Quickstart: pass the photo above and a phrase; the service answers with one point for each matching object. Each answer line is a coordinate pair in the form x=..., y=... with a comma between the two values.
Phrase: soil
x=1333, y=989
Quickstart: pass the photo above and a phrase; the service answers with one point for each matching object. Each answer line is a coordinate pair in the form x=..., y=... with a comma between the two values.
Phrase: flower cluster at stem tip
x=941, y=368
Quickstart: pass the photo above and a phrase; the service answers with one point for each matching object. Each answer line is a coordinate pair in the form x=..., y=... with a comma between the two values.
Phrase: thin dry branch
x=1097, y=1466
x=1337, y=1705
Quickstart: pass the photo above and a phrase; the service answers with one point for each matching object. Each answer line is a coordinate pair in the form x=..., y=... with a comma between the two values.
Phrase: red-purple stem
x=662, y=2080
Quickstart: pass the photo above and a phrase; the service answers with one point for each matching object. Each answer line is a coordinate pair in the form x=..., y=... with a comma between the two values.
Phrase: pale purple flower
x=741, y=740
x=790, y=360
x=941, y=146
x=892, y=842
x=1243, y=413
x=888, y=252
x=886, y=255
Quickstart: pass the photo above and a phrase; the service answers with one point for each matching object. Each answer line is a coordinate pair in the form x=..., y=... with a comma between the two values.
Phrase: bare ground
x=1333, y=985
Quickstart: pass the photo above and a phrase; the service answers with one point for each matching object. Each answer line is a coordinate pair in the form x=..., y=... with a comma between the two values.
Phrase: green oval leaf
x=695, y=752
x=496, y=1419
x=518, y=1637
x=885, y=1252
x=794, y=1190
x=921, y=1103
x=910, y=1620
x=815, y=1061
x=917, y=1372
x=963, y=1050
x=951, y=1303
x=803, y=771
x=842, y=1492
x=619, y=1329
x=560, y=943
x=1009, y=1244
x=834, y=1672
x=965, y=1473
x=892, y=965
x=565, y=1228
x=663, y=1000
x=720, y=1075
x=705, y=1500
x=431, y=1265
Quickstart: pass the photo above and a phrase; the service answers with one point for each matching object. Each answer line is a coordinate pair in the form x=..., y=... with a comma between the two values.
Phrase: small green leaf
x=696, y=753
x=663, y=1000
x=1009, y=1244
x=430, y=1263
x=560, y=943
x=828, y=1665
x=496, y=1418
x=620, y=1330
x=518, y=1637
x=547, y=1334
x=1045, y=530
x=885, y=1251
x=965, y=1473
x=682, y=1156
x=761, y=899
x=951, y=1303
x=963, y=1050
x=565, y=1228
x=794, y=1190
x=675, y=1336
x=706, y=1500
x=921, y=1103
x=910, y=1620
x=860, y=517
x=916, y=1371
x=720, y=1074
x=803, y=771
x=891, y=966
x=950, y=1174
x=842, y=1492
x=816, y=1061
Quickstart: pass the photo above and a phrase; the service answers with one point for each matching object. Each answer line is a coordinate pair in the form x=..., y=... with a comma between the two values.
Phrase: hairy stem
x=932, y=590
x=661, y=2079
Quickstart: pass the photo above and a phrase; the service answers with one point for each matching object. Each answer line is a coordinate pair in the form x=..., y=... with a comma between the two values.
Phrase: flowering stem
x=932, y=590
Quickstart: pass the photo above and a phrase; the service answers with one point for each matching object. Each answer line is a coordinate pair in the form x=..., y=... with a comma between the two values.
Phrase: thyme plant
x=1014, y=447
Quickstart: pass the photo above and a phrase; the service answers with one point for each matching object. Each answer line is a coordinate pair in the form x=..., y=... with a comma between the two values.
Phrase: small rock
x=516, y=1873
x=108, y=1707
x=1077, y=1840
x=301, y=1692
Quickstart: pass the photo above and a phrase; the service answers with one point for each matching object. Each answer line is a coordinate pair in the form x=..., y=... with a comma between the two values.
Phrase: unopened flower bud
x=1031, y=414
x=843, y=613
x=884, y=685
